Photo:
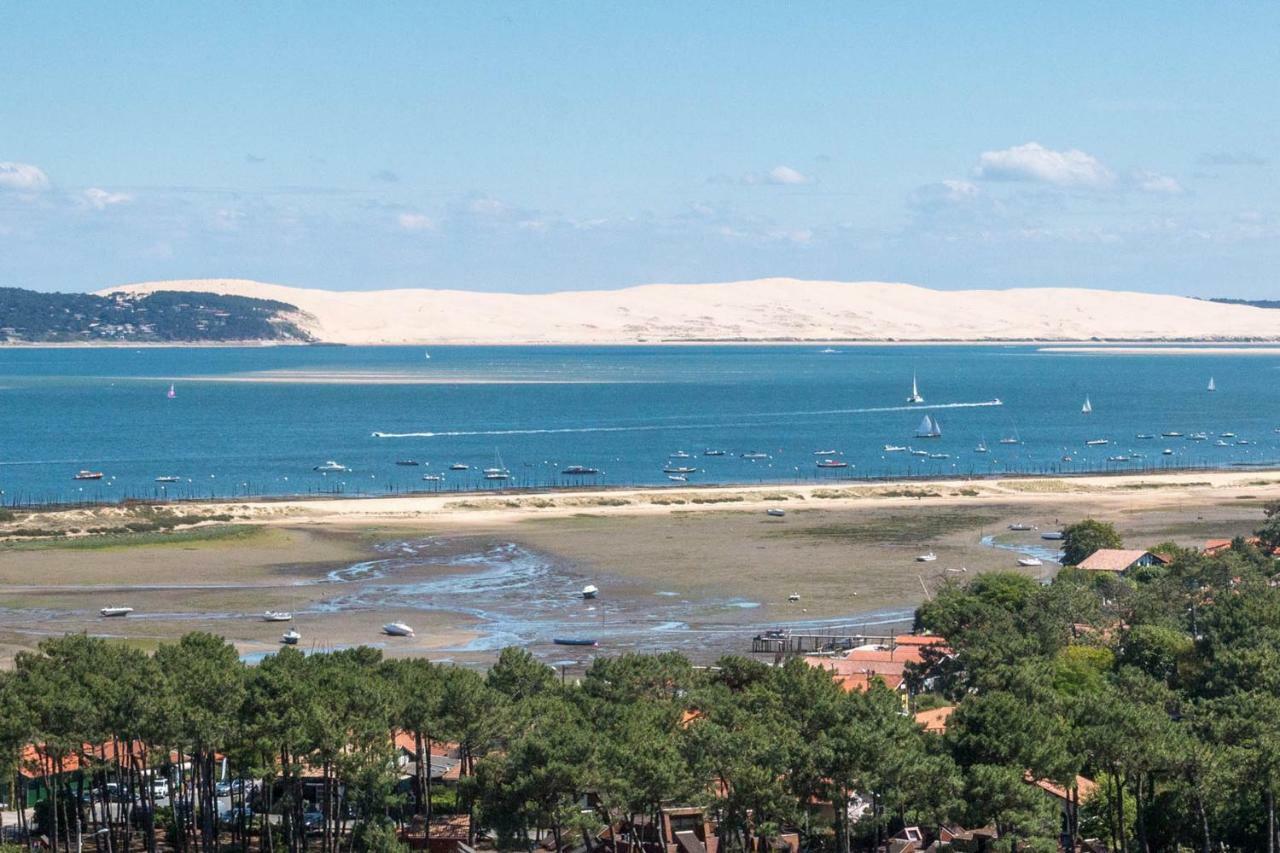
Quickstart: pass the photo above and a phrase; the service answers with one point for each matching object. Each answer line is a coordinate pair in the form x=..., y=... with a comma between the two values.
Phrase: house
x=855, y=668
x=935, y=721
x=1216, y=546
x=1120, y=560
x=1068, y=800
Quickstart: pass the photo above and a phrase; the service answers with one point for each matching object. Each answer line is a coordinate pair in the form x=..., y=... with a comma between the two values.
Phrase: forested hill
x=163, y=316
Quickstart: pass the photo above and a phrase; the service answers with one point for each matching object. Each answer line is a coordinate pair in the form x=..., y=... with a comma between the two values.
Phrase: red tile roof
x=935, y=721
x=1115, y=559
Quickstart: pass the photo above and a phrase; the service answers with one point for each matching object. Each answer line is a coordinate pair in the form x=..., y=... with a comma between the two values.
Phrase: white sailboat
x=929, y=428
x=1212, y=386
x=1087, y=407
x=498, y=471
x=915, y=391
x=982, y=446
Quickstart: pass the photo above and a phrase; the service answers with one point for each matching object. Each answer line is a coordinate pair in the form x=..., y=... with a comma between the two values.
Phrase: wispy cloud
x=1154, y=182
x=1035, y=163
x=22, y=177
x=100, y=199
x=416, y=222
x=1230, y=158
x=787, y=176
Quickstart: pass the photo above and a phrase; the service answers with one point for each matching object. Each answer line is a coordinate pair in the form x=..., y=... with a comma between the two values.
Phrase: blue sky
x=548, y=146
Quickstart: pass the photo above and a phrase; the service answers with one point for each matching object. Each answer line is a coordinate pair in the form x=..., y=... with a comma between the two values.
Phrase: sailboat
x=915, y=391
x=172, y=393
x=1087, y=407
x=929, y=428
x=498, y=471
x=1212, y=387
x=982, y=446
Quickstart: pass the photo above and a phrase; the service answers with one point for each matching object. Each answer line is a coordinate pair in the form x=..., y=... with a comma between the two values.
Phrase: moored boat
x=914, y=397
x=580, y=470
x=87, y=475
x=330, y=466
x=290, y=637
x=575, y=641
x=397, y=629
x=929, y=428
x=832, y=463
x=408, y=463
x=590, y=591
x=1030, y=561
x=168, y=478
x=277, y=616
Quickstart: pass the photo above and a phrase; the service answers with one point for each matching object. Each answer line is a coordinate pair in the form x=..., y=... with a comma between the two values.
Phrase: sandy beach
x=696, y=569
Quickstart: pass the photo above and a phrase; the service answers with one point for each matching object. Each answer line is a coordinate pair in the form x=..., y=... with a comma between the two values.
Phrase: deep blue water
x=621, y=410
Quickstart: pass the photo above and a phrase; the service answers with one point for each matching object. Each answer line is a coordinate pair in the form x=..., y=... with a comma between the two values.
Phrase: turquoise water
x=620, y=410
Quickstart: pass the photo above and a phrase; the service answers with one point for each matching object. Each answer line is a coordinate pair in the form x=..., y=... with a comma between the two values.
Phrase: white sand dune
x=775, y=309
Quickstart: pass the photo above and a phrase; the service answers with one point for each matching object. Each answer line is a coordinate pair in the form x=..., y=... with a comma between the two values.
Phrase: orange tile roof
x=1084, y=787
x=935, y=721
x=919, y=640
x=1114, y=559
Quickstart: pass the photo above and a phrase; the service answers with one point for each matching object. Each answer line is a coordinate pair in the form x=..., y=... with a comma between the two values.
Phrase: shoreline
x=1191, y=344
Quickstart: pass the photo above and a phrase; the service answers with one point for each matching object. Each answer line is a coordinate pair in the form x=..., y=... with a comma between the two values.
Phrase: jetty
x=782, y=642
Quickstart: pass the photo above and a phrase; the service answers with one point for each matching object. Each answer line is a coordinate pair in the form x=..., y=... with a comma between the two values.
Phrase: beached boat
x=893, y=448
x=929, y=428
x=927, y=558
x=1097, y=442
x=330, y=466
x=580, y=470
x=1030, y=561
x=290, y=637
x=168, y=478
x=1087, y=408
x=1019, y=525
x=116, y=611
x=87, y=475
x=775, y=512
x=575, y=641
x=795, y=596
x=277, y=616
x=408, y=463
x=915, y=391
x=1052, y=535
x=397, y=629
x=590, y=591
x=832, y=463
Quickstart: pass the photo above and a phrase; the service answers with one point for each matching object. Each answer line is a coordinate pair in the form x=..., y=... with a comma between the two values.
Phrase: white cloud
x=787, y=175
x=100, y=199
x=1033, y=162
x=22, y=177
x=1153, y=182
x=944, y=194
x=487, y=207
x=416, y=222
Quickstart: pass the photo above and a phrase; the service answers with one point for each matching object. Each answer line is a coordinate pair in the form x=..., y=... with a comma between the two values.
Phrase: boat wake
x=663, y=427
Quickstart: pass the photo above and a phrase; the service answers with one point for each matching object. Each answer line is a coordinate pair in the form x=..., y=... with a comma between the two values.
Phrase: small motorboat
x=290, y=637
x=826, y=453
x=397, y=629
x=754, y=454
x=678, y=469
x=575, y=641
x=1172, y=434
x=893, y=448
x=677, y=478
x=927, y=558
x=832, y=463
x=1199, y=436
x=1030, y=561
x=1220, y=443
x=1067, y=458
x=1019, y=525
x=919, y=453
x=115, y=611
x=1144, y=435
x=1052, y=535
x=408, y=463
x=1227, y=434
x=590, y=591
x=1097, y=442
x=277, y=616
x=1007, y=440
x=433, y=478
x=774, y=512
x=710, y=452
x=829, y=351
x=168, y=479
x=580, y=470
x=939, y=455
x=496, y=474
x=1120, y=458
x=331, y=466
x=458, y=466
x=1166, y=452
x=87, y=475
x=981, y=448
x=679, y=454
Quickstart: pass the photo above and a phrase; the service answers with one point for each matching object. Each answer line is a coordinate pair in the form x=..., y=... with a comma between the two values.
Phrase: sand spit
x=765, y=310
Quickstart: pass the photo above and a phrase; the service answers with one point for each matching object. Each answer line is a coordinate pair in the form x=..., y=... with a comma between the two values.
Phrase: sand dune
x=775, y=309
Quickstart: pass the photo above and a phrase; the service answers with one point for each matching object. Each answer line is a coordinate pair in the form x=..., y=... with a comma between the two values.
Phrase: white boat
x=832, y=463
x=795, y=596
x=1144, y=435
x=1171, y=434
x=982, y=446
x=919, y=453
x=775, y=512
x=277, y=616
x=828, y=351
x=1220, y=443
x=290, y=637
x=1053, y=535
x=1087, y=407
x=939, y=455
x=677, y=478
x=1019, y=525
x=826, y=453
x=929, y=428
x=1010, y=440
x=893, y=448
x=116, y=611
x=679, y=454
x=1120, y=458
x=498, y=471
x=1212, y=386
x=330, y=465
x=1227, y=434
x=1030, y=561
x=397, y=629
x=172, y=393
x=458, y=466
x=1097, y=442
x=433, y=478
x=168, y=479
x=754, y=454
x=710, y=451
x=678, y=469
x=927, y=558
x=1198, y=436
x=1166, y=452
x=915, y=391
x=590, y=591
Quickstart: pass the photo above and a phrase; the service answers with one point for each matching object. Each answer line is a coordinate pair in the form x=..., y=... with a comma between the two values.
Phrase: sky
x=531, y=147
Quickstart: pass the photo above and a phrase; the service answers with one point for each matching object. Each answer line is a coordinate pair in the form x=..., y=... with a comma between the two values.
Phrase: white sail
x=1087, y=407
x=1212, y=387
x=926, y=426
x=937, y=428
x=915, y=391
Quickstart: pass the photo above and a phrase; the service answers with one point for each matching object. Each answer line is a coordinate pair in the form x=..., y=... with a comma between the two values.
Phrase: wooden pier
x=784, y=643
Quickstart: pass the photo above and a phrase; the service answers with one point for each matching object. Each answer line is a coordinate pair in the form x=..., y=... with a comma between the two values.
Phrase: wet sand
x=697, y=570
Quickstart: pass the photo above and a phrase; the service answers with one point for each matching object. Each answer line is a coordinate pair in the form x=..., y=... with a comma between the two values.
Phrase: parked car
x=222, y=789
x=312, y=820
x=232, y=817
x=160, y=788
